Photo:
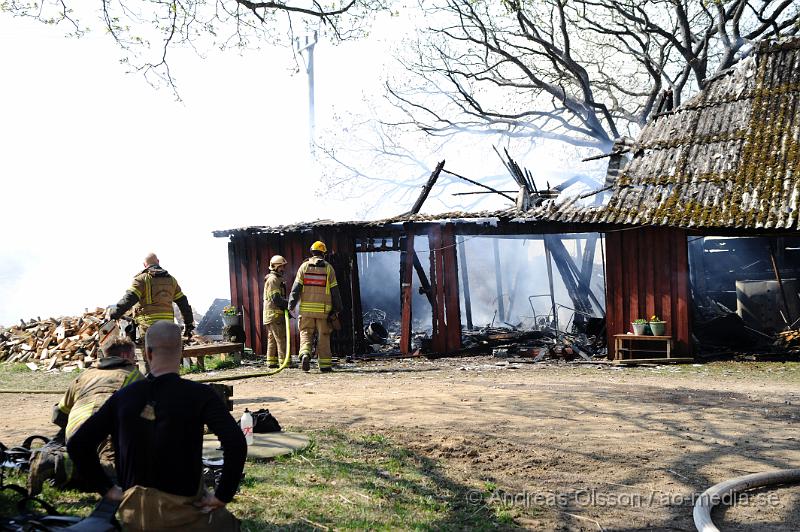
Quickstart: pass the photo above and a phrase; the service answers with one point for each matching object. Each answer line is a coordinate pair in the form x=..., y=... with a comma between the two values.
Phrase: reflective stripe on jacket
x=156, y=294
x=317, y=278
x=273, y=285
x=93, y=387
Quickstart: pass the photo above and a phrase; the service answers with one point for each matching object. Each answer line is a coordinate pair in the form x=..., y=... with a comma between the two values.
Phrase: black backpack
x=263, y=421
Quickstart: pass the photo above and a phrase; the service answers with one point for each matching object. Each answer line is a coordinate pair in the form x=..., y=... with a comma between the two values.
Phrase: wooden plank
x=437, y=275
x=357, y=311
x=615, y=282
x=211, y=349
x=233, y=270
x=343, y=256
x=450, y=286
x=664, y=282
x=630, y=251
x=406, y=282
x=253, y=295
x=650, y=267
x=683, y=318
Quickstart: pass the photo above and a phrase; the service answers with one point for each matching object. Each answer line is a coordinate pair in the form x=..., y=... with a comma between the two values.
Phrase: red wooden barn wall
x=446, y=336
x=647, y=273
x=248, y=261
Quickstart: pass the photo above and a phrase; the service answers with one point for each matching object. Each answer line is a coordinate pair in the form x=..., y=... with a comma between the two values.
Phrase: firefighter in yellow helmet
x=274, y=305
x=316, y=288
x=153, y=291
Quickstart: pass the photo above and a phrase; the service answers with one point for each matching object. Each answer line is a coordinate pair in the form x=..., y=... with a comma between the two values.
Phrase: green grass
x=342, y=481
x=19, y=376
x=212, y=363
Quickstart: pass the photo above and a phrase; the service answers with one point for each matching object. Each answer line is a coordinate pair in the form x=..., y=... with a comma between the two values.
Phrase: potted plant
x=657, y=325
x=230, y=315
x=639, y=326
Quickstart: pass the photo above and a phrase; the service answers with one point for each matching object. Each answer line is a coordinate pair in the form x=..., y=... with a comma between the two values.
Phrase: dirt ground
x=566, y=447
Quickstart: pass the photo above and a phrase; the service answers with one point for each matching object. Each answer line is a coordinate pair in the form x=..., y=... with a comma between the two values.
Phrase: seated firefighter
x=157, y=425
x=87, y=393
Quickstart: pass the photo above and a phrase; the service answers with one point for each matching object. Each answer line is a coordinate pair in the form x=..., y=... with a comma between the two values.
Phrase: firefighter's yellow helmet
x=277, y=260
x=319, y=246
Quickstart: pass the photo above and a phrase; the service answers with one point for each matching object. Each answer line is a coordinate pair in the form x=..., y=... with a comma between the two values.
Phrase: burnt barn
x=696, y=224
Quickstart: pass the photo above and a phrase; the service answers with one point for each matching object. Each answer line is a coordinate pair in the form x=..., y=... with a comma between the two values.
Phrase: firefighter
x=153, y=291
x=316, y=288
x=84, y=397
x=274, y=306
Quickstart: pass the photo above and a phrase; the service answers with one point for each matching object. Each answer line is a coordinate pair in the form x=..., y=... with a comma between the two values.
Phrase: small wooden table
x=632, y=348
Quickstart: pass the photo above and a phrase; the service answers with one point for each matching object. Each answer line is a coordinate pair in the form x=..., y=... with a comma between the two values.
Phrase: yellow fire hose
x=275, y=371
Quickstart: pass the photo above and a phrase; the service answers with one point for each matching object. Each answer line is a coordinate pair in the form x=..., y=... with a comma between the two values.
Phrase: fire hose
x=725, y=491
x=284, y=365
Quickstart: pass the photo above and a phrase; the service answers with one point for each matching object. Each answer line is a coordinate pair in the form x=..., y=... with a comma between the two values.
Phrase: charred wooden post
x=427, y=189
x=407, y=256
x=462, y=252
x=786, y=317
x=553, y=308
x=446, y=310
x=439, y=339
x=449, y=285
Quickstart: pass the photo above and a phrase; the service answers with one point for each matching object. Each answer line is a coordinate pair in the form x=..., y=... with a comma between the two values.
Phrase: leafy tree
x=580, y=71
x=146, y=30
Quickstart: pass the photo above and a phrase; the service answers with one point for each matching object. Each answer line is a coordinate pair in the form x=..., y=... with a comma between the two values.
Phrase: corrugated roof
x=727, y=158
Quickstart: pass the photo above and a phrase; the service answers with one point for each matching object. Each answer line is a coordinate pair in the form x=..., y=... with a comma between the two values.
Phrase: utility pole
x=307, y=46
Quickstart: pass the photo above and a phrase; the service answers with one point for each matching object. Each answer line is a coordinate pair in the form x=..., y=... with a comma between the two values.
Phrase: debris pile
x=66, y=343
x=537, y=344
x=789, y=340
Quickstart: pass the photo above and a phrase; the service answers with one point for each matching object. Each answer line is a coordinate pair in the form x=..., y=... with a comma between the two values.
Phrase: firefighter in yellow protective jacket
x=87, y=393
x=153, y=291
x=274, y=306
x=316, y=288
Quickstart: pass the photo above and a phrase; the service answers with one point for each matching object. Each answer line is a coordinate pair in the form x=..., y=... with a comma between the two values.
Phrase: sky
x=98, y=168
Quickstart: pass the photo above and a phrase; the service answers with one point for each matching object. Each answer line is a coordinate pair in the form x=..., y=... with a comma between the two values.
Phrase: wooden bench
x=199, y=352
x=638, y=349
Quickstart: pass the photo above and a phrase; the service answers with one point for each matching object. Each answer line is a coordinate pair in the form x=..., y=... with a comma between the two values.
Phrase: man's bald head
x=150, y=259
x=163, y=343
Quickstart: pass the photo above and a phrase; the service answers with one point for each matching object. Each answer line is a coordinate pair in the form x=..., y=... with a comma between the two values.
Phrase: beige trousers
x=276, y=340
x=320, y=326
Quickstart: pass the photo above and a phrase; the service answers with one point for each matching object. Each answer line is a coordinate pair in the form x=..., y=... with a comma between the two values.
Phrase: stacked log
x=789, y=340
x=66, y=343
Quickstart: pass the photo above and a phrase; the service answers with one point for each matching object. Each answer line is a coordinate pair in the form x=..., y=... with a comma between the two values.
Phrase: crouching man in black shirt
x=156, y=426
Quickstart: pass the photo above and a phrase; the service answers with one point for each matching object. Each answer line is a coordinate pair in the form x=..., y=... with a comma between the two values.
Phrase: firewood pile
x=66, y=343
x=789, y=340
